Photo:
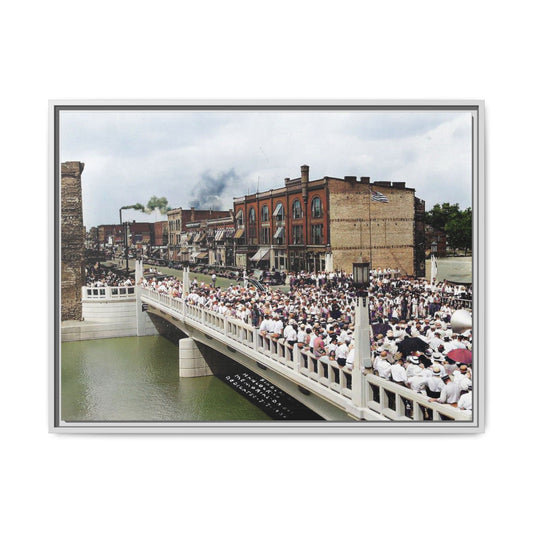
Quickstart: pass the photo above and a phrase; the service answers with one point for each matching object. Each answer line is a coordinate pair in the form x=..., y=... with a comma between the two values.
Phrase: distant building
x=330, y=223
x=178, y=242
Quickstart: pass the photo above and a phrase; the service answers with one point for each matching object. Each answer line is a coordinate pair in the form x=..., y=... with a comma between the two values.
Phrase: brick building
x=329, y=224
x=178, y=242
x=72, y=241
x=437, y=236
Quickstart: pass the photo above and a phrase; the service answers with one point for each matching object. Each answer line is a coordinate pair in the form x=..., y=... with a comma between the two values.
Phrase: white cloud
x=131, y=156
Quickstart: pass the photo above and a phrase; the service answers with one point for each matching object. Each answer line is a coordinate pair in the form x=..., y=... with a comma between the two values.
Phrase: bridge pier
x=192, y=361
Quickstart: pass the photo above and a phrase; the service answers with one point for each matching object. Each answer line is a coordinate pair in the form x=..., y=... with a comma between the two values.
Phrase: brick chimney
x=305, y=181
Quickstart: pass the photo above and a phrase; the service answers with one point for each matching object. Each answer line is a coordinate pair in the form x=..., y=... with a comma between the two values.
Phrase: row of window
x=317, y=235
x=317, y=211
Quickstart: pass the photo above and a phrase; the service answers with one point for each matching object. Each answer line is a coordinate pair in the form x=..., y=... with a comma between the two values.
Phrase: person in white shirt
x=465, y=401
x=289, y=333
x=341, y=354
x=434, y=383
x=450, y=393
x=398, y=373
x=277, y=327
x=383, y=367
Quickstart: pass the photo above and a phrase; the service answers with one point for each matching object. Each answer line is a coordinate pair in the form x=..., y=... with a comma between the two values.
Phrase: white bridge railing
x=107, y=293
x=385, y=398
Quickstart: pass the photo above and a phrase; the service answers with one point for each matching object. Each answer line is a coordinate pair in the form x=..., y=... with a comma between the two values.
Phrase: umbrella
x=412, y=344
x=460, y=355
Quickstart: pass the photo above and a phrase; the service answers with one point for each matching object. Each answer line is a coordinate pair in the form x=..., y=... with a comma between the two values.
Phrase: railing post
x=296, y=357
x=254, y=339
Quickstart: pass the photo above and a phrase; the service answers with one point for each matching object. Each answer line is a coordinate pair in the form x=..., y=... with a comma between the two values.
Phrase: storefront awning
x=219, y=235
x=260, y=254
x=239, y=233
x=201, y=255
x=279, y=233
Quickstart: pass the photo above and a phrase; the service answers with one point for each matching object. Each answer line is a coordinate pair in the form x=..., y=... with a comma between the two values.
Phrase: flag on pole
x=378, y=197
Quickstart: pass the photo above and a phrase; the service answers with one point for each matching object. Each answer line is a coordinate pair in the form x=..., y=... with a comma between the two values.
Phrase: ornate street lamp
x=362, y=360
x=361, y=276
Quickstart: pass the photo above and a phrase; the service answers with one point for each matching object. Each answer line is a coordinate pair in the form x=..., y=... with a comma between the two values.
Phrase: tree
x=456, y=223
x=439, y=215
x=459, y=230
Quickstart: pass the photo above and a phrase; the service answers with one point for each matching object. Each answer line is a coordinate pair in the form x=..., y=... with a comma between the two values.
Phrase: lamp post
x=361, y=278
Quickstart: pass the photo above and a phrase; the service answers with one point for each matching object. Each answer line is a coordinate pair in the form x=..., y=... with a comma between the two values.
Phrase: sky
x=206, y=158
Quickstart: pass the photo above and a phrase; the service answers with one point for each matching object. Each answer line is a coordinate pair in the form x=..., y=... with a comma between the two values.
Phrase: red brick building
x=178, y=219
x=285, y=228
x=330, y=223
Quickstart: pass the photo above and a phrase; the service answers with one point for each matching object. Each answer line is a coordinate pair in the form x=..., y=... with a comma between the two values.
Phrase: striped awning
x=260, y=254
x=199, y=237
x=219, y=235
x=230, y=232
x=279, y=233
x=239, y=233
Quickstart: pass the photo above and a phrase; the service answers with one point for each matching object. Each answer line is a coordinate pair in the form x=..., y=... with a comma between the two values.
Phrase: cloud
x=207, y=158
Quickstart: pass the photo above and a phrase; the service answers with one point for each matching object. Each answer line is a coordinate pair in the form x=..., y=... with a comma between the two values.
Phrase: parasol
x=412, y=344
x=460, y=355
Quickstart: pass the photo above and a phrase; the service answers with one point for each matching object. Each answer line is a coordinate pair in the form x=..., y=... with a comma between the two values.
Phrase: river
x=136, y=379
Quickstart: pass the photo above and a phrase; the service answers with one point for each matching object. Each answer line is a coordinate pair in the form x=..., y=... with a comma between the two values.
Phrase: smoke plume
x=211, y=190
x=161, y=204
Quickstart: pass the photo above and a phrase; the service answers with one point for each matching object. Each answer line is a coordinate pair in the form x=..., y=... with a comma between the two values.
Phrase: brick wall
x=72, y=241
x=391, y=234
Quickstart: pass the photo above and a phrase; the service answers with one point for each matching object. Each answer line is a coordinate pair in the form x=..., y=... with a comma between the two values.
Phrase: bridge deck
x=382, y=399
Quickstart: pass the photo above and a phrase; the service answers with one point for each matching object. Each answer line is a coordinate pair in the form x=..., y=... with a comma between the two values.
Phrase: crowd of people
x=98, y=276
x=318, y=314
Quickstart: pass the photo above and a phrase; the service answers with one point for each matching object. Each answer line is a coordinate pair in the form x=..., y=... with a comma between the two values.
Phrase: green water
x=137, y=379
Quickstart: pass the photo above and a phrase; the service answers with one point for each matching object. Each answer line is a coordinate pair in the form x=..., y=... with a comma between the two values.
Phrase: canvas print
x=275, y=266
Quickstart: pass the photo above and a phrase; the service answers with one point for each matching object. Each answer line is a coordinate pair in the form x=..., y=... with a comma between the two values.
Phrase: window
x=252, y=227
x=265, y=235
x=264, y=213
x=239, y=218
x=297, y=209
x=297, y=235
x=317, y=234
x=279, y=236
x=279, y=212
x=316, y=207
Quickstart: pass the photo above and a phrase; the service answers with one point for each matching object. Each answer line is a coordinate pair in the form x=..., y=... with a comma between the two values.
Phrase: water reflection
x=137, y=379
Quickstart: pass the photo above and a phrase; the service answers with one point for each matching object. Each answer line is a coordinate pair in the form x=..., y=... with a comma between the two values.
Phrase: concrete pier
x=192, y=361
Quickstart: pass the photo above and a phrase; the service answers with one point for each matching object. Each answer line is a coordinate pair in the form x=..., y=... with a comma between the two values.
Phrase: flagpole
x=370, y=223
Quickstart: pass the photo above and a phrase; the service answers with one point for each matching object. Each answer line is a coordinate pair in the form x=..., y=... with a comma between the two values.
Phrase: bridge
x=335, y=393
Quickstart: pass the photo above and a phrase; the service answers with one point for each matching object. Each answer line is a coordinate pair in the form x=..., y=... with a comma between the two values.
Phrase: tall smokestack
x=305, y=181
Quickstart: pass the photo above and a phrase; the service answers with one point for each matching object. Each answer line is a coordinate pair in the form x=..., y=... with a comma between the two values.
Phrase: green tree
x=439, y=215
x=459, y=230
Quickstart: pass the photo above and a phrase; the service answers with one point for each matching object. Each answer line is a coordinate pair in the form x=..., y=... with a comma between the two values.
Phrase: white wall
x=386, y=49
x=106, y=319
